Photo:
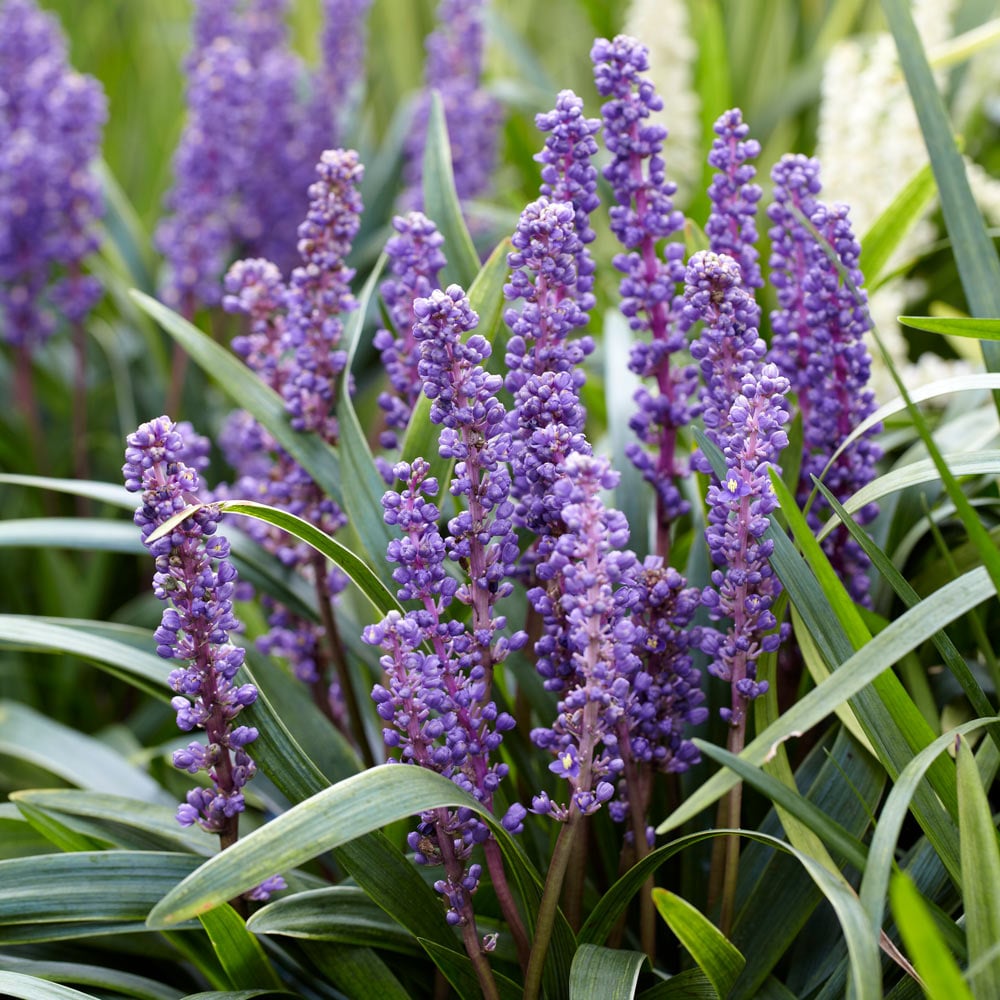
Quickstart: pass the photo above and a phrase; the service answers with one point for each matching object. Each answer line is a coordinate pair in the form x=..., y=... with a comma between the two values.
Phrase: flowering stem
x=498, y=876
x=732, y=809
x=347, y=690
x=637, y=808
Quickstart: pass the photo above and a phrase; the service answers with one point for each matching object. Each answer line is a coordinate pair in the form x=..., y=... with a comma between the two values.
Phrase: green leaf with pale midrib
x=600, y=973
x=125, y=983
x=238, y=951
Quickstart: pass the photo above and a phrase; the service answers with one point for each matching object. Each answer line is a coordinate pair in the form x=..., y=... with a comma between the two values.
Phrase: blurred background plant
x=216, y=113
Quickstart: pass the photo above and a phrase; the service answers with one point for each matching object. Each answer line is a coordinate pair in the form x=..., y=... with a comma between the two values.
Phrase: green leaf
x=934, y=963
x=720, y=960
x=126, y=983
x=128, y=823
x=237, y=994
x=354, y=567
x=828, y=830
x=487, y=301
x=341, y=913
x=248, y=391
x=956, y=326
x=109, y=493
x=458, y=971
x=79, y=759
x=356, y=972
x=14, y=984
x=600, y=973
x=980, y=876
x=888, y=230
x=102, y=888
x=441, y=203
x=238, y=951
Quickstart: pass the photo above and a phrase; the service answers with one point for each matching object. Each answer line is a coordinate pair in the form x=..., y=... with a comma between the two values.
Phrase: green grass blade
x=600, y=973
x=250, y=393
x=22, y=987
x=441, y=203
x=109, y=493
x=715, y=955
x=980, y=876
x=934, y=963
x=238, y=951
x=125, y=983
x=955, y=326
x=355, y=972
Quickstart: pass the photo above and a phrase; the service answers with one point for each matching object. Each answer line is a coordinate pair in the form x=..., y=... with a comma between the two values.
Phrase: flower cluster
x=344, y=46
x=51, y=119
x=439, y=703
x=454, y=69
x=194, y=575
x=292, y=344
x=416, y=260
x=642, y=217
x=253, y=133
x=818, y=343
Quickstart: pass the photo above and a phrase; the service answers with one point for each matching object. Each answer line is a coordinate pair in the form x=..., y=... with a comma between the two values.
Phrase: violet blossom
x=51, y=120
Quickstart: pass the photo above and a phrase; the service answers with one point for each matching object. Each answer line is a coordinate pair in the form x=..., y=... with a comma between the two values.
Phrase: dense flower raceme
x=415, y=260
x=51, y=120
x=438, y=703
x=817, y=341
x=257, y=121
x=293, y=345
x=454, y=69
x=641, y=219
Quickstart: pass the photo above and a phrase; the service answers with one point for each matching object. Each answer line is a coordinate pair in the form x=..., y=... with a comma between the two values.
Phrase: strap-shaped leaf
x=238, y=951
x=716, y=956
x=600, y=973
x=17, y=985
x=125, y=983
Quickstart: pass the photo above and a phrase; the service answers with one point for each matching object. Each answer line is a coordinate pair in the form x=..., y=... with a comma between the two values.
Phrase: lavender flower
x=643, y=216
x=416, y=260
x=731, y=226
x=439, y=703
x=454, y=68
x=818, y=333
x=51, y=120
x=343, y=44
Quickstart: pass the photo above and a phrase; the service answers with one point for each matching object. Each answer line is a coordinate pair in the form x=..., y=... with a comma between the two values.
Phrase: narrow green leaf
x=716, y=956
x=888, y=230
x=129, y=823
x=441, y=203
x=60, y=834
x=109, y=493
x=487, y=300
x=881, y=852
x=73, y=756
x=237, y=994
x=238, y=951
x=934, y=963
x=126, y=983
x=956, y=326
x=87, y=533
x=828, y=830
x=341, y=913
x=145, y=670
x=250, y=393
x=980, y=876
x=457, y=969
x=87, y=888
x=356, y=972
x=14, y=984
x=335, y=816
x=600, y=973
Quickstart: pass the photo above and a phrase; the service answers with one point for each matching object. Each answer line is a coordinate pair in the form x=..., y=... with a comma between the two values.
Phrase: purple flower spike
x=51, y=119
x=643, y=216
x=818, y=341
x=731, y=226
x=343, y=44
x=415, y=260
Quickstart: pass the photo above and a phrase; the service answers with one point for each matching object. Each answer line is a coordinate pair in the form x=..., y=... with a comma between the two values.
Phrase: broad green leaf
x=249, y=392
x=691, y=984
x=827, y=829
x=600, y=973
x=955, y=326
x=934, y=963
x=145, y=670
x=341, y=913
x=441, y=203
x=238, y=951
x=15, y=984
x=720, y=960
x=980, y=876
x=126, y=983
x=888, y=230
x=102, y=888
x=73, y=756
x=458, y=971
x=129, y=823
x=62, y=835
